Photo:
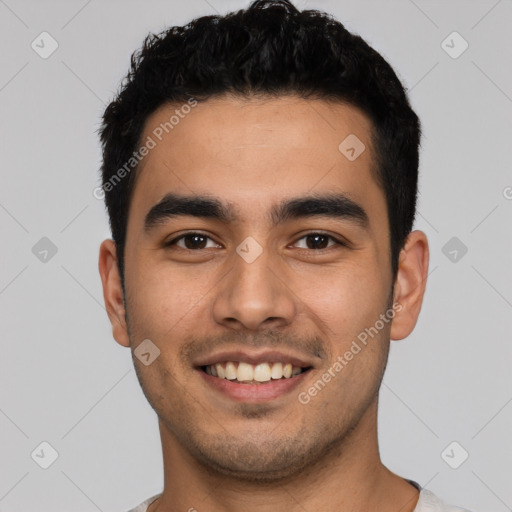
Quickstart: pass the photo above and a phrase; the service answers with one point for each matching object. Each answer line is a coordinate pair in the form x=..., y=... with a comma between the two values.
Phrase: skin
x=221, y=455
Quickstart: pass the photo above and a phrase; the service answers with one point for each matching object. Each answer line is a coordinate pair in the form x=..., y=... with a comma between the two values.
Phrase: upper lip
x=255, y=357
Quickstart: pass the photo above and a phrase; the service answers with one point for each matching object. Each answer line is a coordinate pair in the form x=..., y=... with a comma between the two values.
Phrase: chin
x=266, y=463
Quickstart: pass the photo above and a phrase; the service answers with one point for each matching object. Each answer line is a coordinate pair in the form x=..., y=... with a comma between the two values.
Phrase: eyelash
x=312, y=233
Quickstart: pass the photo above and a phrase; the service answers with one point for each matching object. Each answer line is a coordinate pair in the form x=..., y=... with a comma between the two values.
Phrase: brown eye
x=318, y=241
x=191, y=241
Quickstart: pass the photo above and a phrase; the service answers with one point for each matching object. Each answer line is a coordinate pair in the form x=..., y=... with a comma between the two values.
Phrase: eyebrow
x=333, y=205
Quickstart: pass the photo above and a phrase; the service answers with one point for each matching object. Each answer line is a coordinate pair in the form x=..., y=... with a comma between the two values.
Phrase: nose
x=254, y=296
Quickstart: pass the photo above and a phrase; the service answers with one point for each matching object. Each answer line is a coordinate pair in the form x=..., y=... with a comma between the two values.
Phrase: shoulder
x=142, y=507
x=429, y=502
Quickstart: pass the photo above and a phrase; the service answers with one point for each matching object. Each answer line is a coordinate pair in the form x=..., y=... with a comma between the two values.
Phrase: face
x=272, y=256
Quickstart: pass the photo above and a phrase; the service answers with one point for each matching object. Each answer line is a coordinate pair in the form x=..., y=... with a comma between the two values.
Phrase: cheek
x=346, y=299
x=159, y=298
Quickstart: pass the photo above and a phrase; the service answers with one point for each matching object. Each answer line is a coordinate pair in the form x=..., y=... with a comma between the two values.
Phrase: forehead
x=256, y=152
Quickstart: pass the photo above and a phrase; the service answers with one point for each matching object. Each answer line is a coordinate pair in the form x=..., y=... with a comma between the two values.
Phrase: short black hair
x=268, y=49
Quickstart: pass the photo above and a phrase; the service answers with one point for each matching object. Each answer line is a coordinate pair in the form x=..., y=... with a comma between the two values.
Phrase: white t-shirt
x=427, y=502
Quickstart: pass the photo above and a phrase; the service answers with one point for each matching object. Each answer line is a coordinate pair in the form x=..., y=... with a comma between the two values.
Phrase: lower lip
x=252, y=393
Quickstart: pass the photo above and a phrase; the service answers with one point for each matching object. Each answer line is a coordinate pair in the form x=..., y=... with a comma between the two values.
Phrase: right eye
x=192, y=241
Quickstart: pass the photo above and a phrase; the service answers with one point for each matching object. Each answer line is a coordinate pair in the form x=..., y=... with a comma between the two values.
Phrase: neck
x=351, y=477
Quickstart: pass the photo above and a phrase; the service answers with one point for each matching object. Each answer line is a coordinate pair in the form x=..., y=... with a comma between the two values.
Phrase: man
x=260, y=173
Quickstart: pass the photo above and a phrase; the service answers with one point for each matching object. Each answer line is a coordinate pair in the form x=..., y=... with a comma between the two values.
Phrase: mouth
x=241, y=372
x=254, y=376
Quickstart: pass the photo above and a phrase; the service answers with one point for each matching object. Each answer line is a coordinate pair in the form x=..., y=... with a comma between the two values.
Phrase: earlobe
x=113, y=291
x=410, y=284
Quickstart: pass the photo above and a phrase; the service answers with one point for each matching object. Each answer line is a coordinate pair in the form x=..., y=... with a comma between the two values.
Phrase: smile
x=246, y=373
x=252, y=375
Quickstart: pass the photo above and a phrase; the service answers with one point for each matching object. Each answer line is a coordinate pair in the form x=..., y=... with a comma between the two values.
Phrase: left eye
x=317, y=241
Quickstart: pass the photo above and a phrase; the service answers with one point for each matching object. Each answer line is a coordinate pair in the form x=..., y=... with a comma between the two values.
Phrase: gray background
x=65, y=381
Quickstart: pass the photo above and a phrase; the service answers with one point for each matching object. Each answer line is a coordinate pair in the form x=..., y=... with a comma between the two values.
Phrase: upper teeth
x=262, y=372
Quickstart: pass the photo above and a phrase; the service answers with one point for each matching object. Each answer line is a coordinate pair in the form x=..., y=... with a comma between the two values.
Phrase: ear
x=113, y=291
x=410, y=284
